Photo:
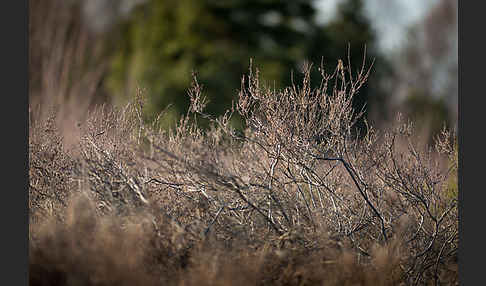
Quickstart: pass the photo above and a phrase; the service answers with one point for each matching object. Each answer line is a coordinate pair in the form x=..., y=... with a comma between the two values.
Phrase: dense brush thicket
x=296, y=198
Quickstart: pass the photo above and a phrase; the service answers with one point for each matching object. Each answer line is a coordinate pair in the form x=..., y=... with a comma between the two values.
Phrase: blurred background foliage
x=103, y=50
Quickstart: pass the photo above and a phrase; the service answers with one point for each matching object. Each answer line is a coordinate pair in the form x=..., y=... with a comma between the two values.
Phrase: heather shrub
x=452, y=189
x=296, y=197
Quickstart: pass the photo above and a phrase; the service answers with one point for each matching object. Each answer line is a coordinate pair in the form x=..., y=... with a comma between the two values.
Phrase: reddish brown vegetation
x=295, y=199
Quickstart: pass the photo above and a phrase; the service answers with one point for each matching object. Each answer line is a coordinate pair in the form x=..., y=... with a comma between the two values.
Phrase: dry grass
x=295, y=199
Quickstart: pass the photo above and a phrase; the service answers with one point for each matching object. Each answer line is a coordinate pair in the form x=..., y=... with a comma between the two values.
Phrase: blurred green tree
x=164, y=41
x=430, y=113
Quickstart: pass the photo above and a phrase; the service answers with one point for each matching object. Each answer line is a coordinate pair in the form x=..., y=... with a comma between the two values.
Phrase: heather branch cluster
x=296, y=176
